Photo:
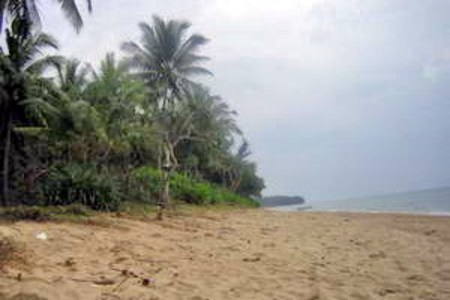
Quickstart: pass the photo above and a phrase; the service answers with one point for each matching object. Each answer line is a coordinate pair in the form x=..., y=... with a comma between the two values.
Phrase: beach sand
x=235, y=254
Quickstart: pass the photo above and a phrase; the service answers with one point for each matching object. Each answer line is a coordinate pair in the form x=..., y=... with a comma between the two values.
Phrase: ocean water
x=433, y=201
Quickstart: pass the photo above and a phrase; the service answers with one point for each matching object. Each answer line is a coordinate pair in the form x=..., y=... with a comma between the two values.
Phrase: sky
x=338, y=98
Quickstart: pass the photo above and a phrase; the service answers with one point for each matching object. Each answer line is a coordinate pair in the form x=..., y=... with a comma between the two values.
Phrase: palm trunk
x=6, y=152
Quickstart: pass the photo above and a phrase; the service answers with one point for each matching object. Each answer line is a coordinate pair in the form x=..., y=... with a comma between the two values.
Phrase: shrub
x=149, y=179
x=78, y=183
x=191, y=191
x=136, y=190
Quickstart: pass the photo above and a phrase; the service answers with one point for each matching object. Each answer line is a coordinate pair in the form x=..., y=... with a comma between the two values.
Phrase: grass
x=72, y=213
x=45, y=213
x=78, y=213
x=137, y=208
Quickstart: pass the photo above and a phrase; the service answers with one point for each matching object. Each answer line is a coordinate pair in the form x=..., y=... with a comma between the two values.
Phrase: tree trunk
x=6, y=152
x=164, y=195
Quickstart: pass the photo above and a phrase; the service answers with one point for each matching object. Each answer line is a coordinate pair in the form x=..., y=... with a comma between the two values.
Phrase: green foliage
x=250, y=183
x=84, y=135
x=150, y=178
x=137, y=209
x=199, y=192
x=186, y=189
x=166, y=56
x=77, y=183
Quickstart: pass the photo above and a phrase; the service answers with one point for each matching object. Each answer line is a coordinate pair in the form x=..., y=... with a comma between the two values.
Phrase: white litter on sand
x=42, y=236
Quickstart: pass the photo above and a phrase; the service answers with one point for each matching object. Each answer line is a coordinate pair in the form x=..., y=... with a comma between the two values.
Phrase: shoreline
x=237, y=254
x=422, y=213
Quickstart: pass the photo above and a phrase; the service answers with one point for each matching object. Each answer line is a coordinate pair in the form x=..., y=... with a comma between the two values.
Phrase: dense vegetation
x=135, y=129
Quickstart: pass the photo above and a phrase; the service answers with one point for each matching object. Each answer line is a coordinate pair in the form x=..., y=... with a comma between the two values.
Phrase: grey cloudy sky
x=338, y=98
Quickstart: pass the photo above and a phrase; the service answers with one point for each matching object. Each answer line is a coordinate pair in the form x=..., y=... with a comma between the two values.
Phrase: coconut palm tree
x=117, y=96
x=72, y=77
x=166, y=59
x=214, y=131
x=214, y=117
x=30, y=8
x=19, y=68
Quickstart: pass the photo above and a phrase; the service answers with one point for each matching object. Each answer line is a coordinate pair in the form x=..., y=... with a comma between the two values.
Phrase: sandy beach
x=240, y=254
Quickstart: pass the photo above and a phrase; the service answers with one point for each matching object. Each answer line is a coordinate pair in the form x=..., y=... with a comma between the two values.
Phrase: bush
x=136, y=190
x=77, y=183
x=149, y=179
x=191, y=191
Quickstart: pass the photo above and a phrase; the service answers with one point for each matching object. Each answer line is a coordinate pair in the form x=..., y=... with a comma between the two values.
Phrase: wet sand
x=241, y=254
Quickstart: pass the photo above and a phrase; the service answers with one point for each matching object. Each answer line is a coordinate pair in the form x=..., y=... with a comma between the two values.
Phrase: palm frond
x=71, y=11
x=40, y=65
x=26, y=9
x=89, y=5
x=32, y=12
x=166, y=57
x=40, y=109
x=188, y=71
x=190, y=46
x=133, y=49
x=44, y=40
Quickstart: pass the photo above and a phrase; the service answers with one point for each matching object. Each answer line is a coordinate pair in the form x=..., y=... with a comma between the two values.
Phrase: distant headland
x=271, y=201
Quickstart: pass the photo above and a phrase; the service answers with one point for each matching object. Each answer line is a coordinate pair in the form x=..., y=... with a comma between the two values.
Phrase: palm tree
x=72, y=77
x=30, y=9
x=19, y=68
x=117, y=96
x=213, y=115
x=167, y=58
x=214, y=129
x=78, y=126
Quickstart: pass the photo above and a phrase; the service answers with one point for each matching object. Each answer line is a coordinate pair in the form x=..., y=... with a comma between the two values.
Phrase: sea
x=431, y=202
